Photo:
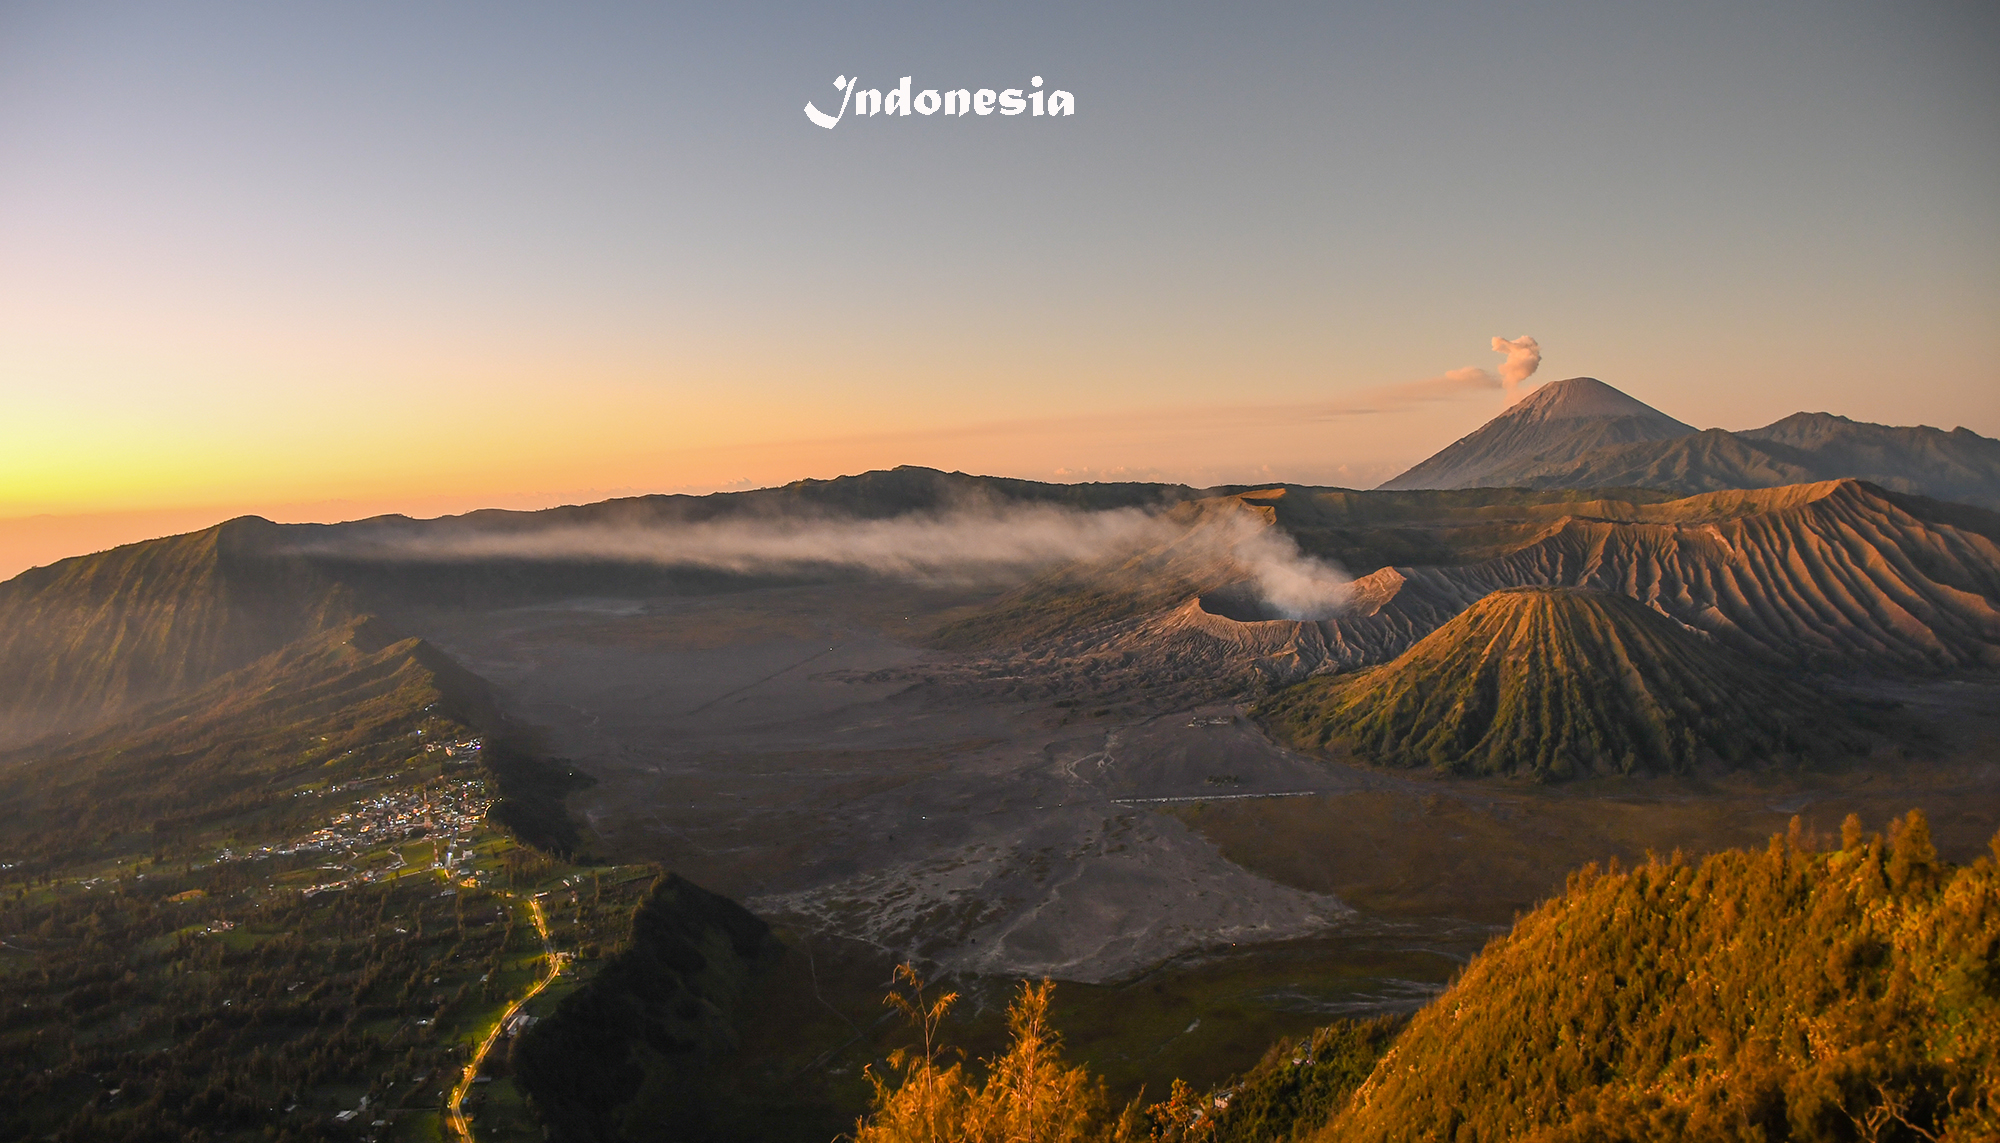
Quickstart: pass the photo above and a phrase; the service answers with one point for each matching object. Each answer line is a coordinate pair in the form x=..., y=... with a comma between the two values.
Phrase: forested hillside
x=1797, y=993
x=632, y=1054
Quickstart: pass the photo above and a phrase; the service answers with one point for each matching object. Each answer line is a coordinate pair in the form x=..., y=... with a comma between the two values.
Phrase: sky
x=318, y=261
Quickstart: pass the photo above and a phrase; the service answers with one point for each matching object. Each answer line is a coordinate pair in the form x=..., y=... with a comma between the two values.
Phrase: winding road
x=454, y=1108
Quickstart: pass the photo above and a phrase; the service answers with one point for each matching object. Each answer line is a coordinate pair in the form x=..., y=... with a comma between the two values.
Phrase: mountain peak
x=1804, y=418
x=1558, y=422
x=1579, y=398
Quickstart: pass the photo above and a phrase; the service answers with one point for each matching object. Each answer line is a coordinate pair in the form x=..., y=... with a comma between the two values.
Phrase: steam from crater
x=1524, y=356
x=1293, y=585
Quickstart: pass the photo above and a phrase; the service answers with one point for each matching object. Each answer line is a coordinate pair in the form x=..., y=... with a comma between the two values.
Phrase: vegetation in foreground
x=1800, y=994
x=927, y=1092
x=1792, y=994
x=1026, y=1092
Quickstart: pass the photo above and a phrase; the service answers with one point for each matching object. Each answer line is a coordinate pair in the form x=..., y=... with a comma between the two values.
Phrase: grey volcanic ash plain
x=784, y=746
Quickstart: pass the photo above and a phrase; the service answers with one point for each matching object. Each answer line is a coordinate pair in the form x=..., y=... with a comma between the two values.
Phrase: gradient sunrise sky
x=322, y=260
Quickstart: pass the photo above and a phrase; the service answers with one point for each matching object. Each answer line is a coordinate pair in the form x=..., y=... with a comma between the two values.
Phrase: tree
x=1027, y=1095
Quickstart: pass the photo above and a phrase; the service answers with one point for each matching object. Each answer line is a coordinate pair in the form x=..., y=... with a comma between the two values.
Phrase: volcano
x=1555, y=425
x=1554, y=683
x=1584, y=434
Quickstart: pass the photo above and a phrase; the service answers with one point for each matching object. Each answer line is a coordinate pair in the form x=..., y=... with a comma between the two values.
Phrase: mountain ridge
x=1558, y=682
x=1557, y=423
x=92, y=636
x=1837, y=577
x=1597, y=448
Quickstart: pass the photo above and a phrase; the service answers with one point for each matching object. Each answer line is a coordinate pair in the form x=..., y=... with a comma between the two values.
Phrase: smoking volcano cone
x=1553, y=425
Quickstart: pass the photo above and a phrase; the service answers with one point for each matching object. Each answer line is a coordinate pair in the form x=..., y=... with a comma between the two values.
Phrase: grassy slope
x=1553, y=683
x=1788, y=994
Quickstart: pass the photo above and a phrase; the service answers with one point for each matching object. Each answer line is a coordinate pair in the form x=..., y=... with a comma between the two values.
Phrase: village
x=444, y=810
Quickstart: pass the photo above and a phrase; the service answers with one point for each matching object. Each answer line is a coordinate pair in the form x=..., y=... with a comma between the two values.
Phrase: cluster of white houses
x=443, y=810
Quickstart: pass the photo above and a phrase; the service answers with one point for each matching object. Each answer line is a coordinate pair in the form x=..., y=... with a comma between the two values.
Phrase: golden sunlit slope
x=1554, y=683
x=1788, y=994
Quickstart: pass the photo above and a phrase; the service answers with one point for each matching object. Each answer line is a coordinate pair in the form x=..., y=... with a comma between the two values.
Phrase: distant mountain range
x=1582, y=433
x=1835, y=576
x=1831, y=562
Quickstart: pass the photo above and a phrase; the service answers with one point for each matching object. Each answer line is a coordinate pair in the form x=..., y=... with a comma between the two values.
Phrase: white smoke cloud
x=1292, y=584
x=1524, y=356
x=972, y=544
x=975, y=543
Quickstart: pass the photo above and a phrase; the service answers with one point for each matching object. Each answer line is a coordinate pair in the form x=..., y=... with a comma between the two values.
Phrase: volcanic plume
x=1524, y=356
